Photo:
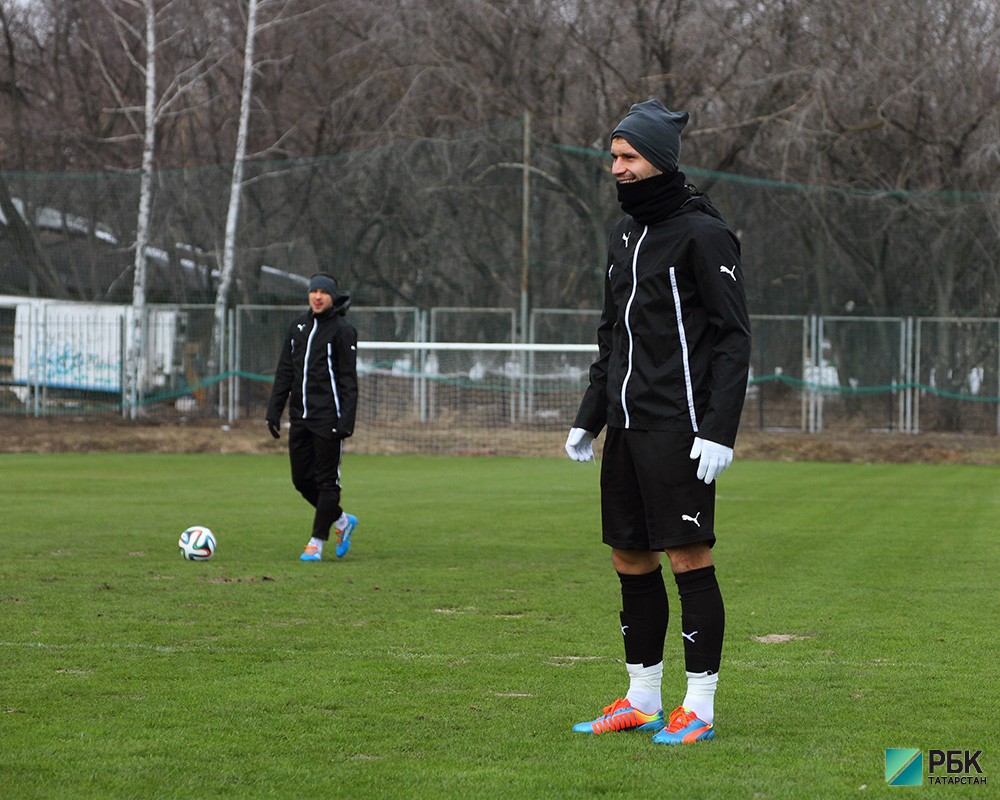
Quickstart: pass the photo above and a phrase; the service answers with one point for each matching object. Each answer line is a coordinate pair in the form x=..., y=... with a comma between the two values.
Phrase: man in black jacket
x=669, y=385
x=317, y=376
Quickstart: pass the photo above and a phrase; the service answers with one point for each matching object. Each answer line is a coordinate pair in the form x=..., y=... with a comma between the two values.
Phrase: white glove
x=714, y=458
x=580, y=444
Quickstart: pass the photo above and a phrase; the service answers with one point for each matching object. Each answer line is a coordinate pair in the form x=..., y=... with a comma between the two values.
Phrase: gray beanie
x=655, y=132
x=323, y=282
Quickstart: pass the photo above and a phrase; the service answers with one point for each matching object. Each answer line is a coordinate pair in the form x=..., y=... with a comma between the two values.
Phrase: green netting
x=438, y=222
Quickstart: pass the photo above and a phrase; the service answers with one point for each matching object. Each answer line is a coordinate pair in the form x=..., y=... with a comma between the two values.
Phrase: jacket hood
x=341, y=302
x=701, y=202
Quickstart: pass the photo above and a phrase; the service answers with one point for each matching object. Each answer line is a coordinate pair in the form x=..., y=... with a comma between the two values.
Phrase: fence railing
x=476, y=367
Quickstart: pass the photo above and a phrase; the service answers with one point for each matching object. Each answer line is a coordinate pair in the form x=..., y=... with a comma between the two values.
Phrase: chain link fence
x=445, y=377
x=475, y=264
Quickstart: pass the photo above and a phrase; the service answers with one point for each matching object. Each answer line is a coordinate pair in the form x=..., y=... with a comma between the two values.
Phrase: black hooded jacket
x=674, y=337
x=317, y=372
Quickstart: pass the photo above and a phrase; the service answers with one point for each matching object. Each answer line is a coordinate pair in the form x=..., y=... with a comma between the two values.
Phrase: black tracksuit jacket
x=674, y=337
x=317, y=372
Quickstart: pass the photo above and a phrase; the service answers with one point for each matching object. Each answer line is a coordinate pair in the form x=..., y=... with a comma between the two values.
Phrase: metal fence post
x=816, y=397
x=231, y=365
x=419, y=357
x=917, y=350
x=908, y=377
x=807, y=323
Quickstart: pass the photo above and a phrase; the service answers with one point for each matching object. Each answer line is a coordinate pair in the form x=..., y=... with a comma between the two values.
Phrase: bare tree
x=20, y=227
x=131, y=28
x=235, y=189
x=881, y=101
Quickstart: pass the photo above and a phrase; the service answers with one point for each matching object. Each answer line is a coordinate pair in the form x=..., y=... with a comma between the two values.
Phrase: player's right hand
x=580, y=444
x=274, y=427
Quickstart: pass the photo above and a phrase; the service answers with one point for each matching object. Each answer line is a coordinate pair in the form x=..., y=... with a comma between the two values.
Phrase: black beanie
x=655, y=132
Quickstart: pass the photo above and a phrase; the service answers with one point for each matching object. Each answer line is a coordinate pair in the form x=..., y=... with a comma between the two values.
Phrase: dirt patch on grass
x=779, y=638
x=870, y=447
x=102, y=434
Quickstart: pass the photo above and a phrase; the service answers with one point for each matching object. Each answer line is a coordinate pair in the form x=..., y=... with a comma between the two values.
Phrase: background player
x=317, y=376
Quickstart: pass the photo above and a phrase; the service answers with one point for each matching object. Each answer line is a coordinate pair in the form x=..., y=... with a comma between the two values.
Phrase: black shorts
x=651, y=497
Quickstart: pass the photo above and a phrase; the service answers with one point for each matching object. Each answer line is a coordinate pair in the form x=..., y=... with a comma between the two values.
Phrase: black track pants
x=315, y=460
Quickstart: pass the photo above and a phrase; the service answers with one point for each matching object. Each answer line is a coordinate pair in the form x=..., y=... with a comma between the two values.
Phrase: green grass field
x=474, y=621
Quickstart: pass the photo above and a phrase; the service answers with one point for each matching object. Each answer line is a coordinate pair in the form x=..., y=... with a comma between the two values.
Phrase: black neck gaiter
x=652, y=200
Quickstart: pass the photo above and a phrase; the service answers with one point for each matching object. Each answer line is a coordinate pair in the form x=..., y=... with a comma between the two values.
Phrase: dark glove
x=340, y=434
x=274, y=426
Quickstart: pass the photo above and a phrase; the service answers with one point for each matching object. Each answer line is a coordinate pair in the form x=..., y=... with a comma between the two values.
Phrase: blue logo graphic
x=904, y=766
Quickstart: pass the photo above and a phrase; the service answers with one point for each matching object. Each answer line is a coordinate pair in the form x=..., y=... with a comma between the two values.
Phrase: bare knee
x=634, y=562
x=689, y=557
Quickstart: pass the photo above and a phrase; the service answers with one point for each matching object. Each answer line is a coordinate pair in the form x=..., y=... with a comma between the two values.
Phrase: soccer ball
x=197, y=543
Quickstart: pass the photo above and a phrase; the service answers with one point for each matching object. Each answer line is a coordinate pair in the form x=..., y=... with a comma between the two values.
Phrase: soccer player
x=317, y=376
x=669, y=385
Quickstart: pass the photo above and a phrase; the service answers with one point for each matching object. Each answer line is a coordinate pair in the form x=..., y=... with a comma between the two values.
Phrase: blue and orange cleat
x=344, y=536
x=620, y=716
x=684, y=727
x=311, y=553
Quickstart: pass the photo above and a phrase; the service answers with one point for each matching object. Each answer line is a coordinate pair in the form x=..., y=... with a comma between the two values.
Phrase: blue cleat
x=344, y=536
x=684, y=727
x=311, y=553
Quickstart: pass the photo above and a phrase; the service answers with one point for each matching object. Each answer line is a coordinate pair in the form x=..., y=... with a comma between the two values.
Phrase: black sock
x=644, y=617
x=703, y=619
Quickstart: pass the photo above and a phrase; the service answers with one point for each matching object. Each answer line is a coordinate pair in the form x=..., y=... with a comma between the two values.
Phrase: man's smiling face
x=628, y=166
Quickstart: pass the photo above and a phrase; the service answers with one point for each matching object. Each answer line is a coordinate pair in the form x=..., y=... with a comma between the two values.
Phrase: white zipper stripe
x=628, y=326
x=684, y=348
x=305, y=370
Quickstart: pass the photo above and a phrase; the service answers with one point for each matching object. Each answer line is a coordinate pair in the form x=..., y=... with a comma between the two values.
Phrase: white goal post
x=489, y=397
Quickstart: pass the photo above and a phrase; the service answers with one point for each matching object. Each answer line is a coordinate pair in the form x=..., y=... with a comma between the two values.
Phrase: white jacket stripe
x=333, y=377
x=628, y=323
x=688, y=388
x=305, y=370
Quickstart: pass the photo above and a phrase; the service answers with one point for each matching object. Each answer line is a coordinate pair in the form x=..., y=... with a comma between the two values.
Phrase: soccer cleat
x=684, y=727
x=344, y=536
x=620, y=716
x=311, y=553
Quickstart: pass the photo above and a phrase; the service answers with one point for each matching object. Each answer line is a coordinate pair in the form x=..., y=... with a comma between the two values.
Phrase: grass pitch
x=473, y=622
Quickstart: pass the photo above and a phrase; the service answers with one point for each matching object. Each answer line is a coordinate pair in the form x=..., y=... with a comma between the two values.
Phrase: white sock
x=700, y=697
x=317, y=543
x=341, y=522
x=644, y=687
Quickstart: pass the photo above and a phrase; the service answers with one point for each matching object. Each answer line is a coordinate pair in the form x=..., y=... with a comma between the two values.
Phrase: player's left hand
x=714, y=458
x=274, y=428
